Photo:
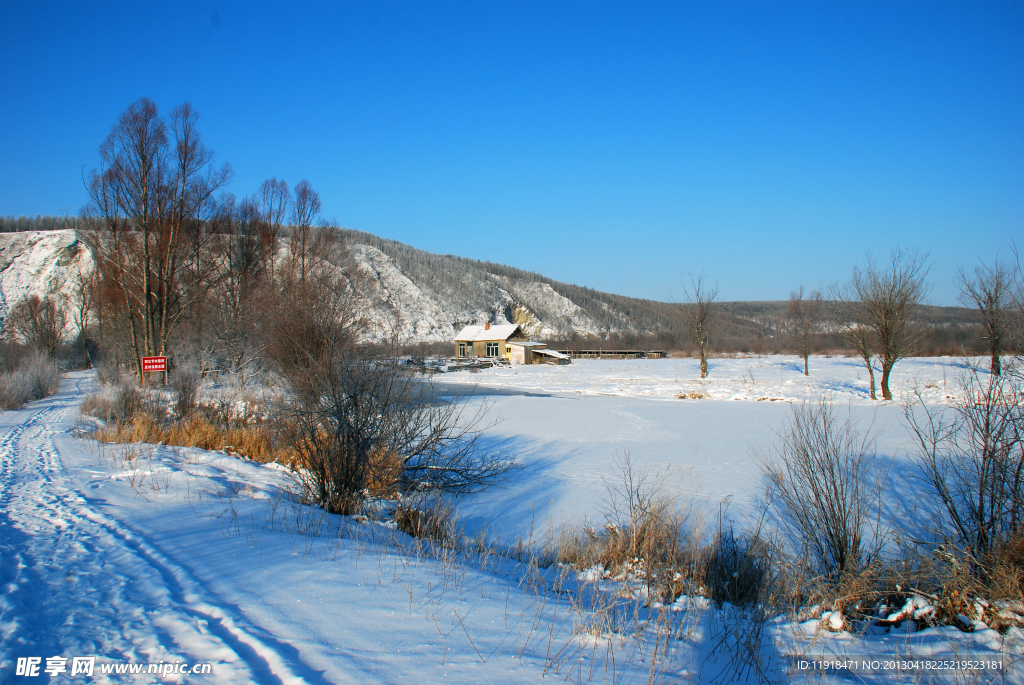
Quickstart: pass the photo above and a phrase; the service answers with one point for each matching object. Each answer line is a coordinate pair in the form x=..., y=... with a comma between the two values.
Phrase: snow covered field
x=150, y=554
x=759, y=378
x=567, y=424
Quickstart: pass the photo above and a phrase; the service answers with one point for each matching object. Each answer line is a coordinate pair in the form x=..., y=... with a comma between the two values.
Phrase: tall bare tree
x=851, y=319
x=305, y=214
x=274, y=200
x=989, y=290
x=890, y=295
x=154, y=191
x=697, y=310
x=80, y=303
x=804, y=314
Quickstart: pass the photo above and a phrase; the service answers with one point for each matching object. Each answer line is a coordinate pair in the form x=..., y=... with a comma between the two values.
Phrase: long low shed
x=530, y=352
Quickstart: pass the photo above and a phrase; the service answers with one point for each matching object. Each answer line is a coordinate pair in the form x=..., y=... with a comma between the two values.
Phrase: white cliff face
x=422, y=313
x=564, y=314
x=40, y=263
x=398, y=302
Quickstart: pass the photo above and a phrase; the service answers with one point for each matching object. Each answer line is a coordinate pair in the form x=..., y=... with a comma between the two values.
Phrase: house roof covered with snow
x=479, y=333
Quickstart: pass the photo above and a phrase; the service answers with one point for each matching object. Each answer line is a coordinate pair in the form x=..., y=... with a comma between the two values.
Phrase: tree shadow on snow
x=522, y=499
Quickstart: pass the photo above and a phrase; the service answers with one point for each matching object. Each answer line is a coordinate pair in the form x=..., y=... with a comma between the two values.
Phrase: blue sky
x=614, y=145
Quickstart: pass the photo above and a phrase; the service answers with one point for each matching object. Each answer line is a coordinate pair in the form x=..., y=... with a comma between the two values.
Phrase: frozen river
x=567, y=426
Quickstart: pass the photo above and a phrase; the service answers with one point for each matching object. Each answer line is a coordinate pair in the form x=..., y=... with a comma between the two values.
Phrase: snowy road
x=198, y=557
x=79, y=582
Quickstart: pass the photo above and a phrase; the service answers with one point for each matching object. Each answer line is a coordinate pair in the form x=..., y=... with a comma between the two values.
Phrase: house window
x=492, y=349
x=462, y=349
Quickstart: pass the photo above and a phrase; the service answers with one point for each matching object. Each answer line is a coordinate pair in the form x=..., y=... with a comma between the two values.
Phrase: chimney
x=487, y=326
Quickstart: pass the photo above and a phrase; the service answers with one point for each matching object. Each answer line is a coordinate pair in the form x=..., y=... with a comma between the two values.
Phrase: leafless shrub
x=824, y=483
x=362, y=421
x=108, y=373
x=739, y=568
x=973, y=459
x=647, y=537
x=1006, y=569
x=128, y=402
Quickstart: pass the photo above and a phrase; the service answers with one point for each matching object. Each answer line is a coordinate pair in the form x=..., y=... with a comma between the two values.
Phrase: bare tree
x=305, y=214
x=244, y=281
x=153, y=192
x=851, y=319
x=697, y=310
x=274, y=201
x=38, y=322
x=803, y=314
x=973, y=458
x=890, y=295
x=1015, y=320
x=824, y=481
x=989, y=291
x=80, y=303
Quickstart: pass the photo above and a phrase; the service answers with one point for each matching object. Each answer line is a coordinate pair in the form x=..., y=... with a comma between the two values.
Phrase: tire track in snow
x=82, y=583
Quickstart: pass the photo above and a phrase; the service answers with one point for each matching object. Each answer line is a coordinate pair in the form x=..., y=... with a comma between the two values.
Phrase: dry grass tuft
x=647, y=538
x=254, y=442
x=131, y=417
x=432, y=519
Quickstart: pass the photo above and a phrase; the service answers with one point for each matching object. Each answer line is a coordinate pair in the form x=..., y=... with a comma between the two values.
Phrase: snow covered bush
x=32, y=377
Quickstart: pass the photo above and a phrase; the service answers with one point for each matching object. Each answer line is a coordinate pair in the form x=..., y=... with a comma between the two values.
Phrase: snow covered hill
x=427, y=298
x=430, y=297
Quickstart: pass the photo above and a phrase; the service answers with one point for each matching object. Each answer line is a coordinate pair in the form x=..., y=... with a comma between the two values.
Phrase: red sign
x=154, y=364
